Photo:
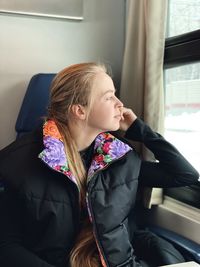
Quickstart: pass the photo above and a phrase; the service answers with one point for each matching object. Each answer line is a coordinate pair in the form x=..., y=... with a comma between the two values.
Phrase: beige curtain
x=142, y=73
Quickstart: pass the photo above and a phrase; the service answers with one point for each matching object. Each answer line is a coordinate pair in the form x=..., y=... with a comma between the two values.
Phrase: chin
x=114, y=128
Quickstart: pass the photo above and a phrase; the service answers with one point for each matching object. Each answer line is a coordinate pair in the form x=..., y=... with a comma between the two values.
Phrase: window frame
x=183, y=50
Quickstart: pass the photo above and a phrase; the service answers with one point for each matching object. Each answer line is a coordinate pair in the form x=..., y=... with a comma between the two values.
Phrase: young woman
x=70, y=187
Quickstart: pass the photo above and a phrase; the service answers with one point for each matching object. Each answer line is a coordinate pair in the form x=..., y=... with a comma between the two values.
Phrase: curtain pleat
x=142, y=73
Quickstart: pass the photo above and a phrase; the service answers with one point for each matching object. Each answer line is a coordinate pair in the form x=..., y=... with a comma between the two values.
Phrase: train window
x=183, y=16
x=182, y=88
x=182, y=110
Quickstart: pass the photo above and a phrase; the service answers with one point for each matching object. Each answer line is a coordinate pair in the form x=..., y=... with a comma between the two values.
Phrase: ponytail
x=73, y=86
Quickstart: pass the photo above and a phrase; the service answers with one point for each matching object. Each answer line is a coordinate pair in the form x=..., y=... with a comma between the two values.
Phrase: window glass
x=184, y=16
x=182, y=110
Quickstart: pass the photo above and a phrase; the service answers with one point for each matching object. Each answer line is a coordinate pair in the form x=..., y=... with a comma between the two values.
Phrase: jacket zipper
x=90, y=210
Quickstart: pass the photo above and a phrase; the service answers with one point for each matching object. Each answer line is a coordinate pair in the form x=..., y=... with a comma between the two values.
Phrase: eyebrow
x=108, y=91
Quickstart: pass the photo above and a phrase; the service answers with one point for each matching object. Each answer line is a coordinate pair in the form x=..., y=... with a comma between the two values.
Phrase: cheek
x=98, y=107
x=101, y=110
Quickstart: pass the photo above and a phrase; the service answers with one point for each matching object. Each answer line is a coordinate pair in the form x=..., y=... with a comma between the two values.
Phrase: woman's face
x=105, y=113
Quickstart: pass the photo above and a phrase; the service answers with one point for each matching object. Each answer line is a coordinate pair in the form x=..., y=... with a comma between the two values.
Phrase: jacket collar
x=107, y=148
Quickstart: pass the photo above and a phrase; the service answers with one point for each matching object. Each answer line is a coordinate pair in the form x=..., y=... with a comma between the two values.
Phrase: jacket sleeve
x=171, y=169
x=12, y=251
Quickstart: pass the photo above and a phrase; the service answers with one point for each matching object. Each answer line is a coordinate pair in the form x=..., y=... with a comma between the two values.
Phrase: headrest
x=35, y=102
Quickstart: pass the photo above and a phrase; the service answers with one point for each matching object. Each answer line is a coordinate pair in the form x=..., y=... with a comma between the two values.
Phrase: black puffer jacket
x=39, y=208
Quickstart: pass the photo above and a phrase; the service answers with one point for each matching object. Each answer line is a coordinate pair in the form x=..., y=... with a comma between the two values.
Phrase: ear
x=78, y=111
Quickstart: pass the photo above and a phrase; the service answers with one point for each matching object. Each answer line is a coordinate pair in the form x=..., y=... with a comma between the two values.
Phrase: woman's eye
x=109, y=98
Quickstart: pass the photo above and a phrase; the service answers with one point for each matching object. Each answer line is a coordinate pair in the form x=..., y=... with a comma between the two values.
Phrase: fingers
x=121, y=109
x=129, y=114
x=126, y=111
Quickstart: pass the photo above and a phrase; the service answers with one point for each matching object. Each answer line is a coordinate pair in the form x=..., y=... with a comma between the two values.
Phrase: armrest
x=188, y=248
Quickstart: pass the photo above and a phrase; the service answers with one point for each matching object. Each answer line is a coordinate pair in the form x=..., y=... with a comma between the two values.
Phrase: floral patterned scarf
x=107, y=149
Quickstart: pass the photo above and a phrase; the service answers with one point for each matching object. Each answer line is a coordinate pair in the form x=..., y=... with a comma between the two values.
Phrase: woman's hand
x=127, y=118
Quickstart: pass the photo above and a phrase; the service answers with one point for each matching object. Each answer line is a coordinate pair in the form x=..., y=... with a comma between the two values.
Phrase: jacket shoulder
x=20, y=153
x=19, y=144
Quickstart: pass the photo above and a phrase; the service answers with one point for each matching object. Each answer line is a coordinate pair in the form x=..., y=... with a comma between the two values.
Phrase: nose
x=119, y=103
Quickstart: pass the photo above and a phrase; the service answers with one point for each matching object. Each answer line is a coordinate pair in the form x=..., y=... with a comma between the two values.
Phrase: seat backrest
x=35, y=102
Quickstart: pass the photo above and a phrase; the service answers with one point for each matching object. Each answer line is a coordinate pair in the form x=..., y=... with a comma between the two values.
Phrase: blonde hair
x=72, y=86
